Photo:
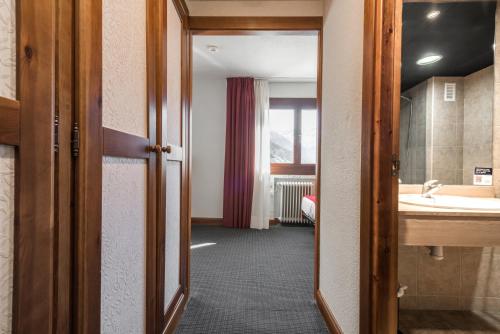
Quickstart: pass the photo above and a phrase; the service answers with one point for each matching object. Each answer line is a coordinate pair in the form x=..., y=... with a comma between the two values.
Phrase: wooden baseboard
x=274, y=221
x=176, y=315
x=331, y=322
x=206, y=221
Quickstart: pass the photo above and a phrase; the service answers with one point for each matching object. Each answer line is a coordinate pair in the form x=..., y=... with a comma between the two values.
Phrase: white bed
x=309, y=207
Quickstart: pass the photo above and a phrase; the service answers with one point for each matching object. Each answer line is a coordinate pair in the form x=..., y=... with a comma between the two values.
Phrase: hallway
x=249, y=281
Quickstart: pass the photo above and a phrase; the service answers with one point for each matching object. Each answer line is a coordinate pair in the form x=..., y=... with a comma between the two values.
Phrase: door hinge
x=56, y=133
x=396, y=165
x=75, y=140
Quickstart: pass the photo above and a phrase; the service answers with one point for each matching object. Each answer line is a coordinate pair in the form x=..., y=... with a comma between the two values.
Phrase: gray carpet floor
x=252, y=282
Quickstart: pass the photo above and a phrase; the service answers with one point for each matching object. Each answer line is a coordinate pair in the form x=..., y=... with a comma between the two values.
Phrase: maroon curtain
x=240, y=153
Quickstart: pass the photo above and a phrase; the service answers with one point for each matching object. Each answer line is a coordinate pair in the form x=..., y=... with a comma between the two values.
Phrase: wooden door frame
x=379, y=182
x=246, y=25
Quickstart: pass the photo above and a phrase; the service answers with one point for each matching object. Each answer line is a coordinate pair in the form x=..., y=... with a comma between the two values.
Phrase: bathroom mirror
x=448, y=92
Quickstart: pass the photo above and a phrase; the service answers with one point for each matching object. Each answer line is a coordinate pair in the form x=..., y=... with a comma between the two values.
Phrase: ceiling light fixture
x=429, y=60
x=433, y=14
x=212, y=48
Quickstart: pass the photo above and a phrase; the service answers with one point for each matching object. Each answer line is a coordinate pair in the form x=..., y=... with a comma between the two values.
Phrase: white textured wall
x=174, y=168
x=124, y=66
x=209, y=135
x=341, y=159
x=8, y=48
x=293, y=89
x=174, y=31
x=8, y=90
x=256, y=8
x=6, y=236
x=123, y=271
x=172, y=231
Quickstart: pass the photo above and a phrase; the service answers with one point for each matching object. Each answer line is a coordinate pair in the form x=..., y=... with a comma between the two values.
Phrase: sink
x=452, y=202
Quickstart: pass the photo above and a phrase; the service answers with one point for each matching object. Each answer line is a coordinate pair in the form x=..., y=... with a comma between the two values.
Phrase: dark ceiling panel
x=463, y=34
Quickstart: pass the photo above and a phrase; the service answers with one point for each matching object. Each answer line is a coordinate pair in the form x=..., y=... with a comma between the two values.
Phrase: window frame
x=296, y=167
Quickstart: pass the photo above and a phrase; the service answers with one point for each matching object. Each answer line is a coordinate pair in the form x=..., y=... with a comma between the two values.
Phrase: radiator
x=290, y=194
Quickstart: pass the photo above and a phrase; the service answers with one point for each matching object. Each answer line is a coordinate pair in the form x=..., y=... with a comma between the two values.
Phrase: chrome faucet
x=430, y=187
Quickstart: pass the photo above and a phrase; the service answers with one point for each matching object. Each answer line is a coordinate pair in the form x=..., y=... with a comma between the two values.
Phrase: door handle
x=167, y=149
x=155, y=148
x=160, y=149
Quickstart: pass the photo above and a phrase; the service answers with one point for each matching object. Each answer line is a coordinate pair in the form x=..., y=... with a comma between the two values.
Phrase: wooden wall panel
x=64, y=86
x=88, y=96
x=34, y=294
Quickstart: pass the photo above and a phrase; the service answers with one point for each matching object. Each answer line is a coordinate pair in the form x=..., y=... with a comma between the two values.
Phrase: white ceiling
x=278, y=58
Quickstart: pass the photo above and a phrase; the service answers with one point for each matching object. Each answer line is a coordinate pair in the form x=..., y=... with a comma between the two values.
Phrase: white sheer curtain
x=262, y=183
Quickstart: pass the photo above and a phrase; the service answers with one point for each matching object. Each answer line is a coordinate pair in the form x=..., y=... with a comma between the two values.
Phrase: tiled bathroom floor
x=456, y=322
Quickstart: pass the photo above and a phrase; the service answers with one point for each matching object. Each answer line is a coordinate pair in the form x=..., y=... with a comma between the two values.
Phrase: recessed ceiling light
x=212, y=48
x=433, y=14
x=429, y=60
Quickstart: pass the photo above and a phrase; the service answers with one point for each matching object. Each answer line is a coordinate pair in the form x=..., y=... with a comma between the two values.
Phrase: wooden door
x=174, y=199
x=132, y=169
x=128, y=168
x=35, y=166
x=116, y=290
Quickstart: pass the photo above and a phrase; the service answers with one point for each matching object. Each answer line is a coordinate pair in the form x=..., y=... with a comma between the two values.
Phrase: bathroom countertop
x=410, y=211
x=424, y=226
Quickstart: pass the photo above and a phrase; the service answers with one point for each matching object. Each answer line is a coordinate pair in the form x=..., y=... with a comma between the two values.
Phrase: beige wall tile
x=480, y=250
x=496, y=114
x=408, y=303
x=496, y=180
x=445, y=175
x=481, y=274
x=438, y=278
x=496, y=147
x=480, y=304
x=468, y=278
x=438, y=302
x=445, y=134
x=445, y=158
x=407, y=249
x=407, y=269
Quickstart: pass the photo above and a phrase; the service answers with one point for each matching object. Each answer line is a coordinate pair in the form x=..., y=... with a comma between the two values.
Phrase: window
x=293, y=127
x=282, y=135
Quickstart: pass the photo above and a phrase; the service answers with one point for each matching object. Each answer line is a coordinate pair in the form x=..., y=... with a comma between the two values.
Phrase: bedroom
x=265, y=86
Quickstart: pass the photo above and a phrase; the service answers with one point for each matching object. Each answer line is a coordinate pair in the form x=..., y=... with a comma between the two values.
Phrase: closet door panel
x=123, y=280
x=172, y=232
x=8, y=49
x=173, y=133
x=124, y=74
x=7, y=163
x=172, y=136
x=124, y=180
x=7, y=205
